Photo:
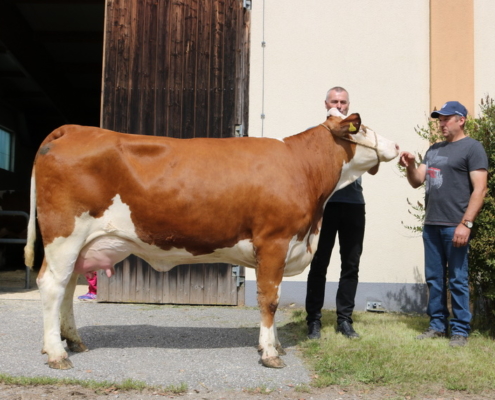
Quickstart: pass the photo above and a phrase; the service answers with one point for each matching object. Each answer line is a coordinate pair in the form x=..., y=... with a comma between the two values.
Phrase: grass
x=388, y=355
x=99, y=387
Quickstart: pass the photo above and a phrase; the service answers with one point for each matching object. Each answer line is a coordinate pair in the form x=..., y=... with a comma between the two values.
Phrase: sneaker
x=314, y=328
x=430, y=334
x=88, y=296
x=458, y=341
x=347, y=330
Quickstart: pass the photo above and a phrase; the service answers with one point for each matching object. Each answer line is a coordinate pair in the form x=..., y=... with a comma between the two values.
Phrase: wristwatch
x=468, y=224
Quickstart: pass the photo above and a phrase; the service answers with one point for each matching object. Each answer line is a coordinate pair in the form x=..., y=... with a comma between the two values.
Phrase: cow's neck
x=323, y=155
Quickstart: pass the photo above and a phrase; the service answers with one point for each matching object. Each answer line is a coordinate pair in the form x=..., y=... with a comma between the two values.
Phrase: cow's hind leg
x=269, y=278
x=67, y=322
x=52, y=291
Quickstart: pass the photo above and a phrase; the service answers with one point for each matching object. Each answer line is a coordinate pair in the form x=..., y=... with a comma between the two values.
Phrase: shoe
x=314, y=328
x=88, y=296
x=458, y=341
x=347, y=330
x=430, y=334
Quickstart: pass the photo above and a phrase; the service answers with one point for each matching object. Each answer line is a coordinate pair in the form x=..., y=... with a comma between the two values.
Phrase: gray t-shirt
x=448, y=185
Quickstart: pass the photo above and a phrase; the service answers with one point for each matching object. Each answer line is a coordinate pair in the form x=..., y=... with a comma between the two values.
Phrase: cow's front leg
x=52, y=293
x=67, y=321
x=269, y=278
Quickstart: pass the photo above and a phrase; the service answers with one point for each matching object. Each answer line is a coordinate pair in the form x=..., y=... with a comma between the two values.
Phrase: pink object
x=92, y=278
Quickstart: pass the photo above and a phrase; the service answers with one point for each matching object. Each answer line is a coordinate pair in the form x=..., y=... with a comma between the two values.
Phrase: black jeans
x=348, y=220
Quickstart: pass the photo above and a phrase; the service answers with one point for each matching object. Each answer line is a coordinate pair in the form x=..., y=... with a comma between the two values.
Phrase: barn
x=176, y=69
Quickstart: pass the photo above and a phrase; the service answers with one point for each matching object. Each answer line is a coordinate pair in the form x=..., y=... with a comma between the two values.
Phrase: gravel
x=206, y=348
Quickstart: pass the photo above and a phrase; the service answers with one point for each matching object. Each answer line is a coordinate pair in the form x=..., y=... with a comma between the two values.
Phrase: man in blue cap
x=455, y=171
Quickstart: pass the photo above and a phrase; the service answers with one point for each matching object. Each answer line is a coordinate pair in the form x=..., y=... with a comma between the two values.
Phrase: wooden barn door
x=179, y=69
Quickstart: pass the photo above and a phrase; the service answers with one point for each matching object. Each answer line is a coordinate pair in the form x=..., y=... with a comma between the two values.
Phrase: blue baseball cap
x=451, y=108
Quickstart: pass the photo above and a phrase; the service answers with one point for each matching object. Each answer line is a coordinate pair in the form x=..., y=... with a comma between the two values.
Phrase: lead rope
x=358, y=143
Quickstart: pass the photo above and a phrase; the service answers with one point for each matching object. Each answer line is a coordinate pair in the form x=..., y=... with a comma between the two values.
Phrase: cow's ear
x=351, y=124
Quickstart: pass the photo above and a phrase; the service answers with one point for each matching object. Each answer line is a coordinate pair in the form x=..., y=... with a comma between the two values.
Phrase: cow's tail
x=31, y=232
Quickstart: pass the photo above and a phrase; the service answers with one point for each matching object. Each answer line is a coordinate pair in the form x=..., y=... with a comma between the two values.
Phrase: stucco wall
x=484, y=49
x=380, y=51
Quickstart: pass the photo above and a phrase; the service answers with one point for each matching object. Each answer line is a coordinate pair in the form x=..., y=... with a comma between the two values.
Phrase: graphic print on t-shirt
x=434, y=178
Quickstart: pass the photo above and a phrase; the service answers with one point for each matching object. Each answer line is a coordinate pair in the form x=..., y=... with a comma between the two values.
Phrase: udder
x=102, y=253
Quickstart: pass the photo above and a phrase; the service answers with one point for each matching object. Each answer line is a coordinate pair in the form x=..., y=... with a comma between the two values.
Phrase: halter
x=375, y=147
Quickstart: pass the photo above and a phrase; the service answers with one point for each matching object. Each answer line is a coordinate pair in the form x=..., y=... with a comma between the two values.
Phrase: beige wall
x=381, y=57
x=484, y=50
x=379, y=50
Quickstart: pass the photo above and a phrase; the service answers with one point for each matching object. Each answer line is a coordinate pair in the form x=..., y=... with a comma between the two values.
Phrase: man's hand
x=416, y=175
x=461, y=235
x=406, y=159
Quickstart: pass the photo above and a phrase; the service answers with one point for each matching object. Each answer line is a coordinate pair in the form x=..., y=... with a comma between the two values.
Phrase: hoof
x=76, y=347
x=61, y=364
x=273, y=362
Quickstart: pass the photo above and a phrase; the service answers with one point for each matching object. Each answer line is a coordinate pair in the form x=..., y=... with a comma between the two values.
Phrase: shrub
x=482, y=251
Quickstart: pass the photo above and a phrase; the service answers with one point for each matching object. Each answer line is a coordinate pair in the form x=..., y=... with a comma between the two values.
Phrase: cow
x=101, y=195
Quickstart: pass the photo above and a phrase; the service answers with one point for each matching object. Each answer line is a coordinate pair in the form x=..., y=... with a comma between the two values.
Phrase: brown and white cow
x=258, y=202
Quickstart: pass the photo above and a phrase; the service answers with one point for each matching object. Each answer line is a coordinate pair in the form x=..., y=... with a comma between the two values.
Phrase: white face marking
x=335, y=113
x=364, y=157
x=387, y=149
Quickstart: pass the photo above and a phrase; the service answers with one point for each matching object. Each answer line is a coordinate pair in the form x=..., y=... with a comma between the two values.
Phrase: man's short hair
x=338, y=89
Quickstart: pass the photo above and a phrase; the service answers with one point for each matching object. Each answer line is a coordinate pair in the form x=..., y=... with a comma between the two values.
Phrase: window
x=5, y=150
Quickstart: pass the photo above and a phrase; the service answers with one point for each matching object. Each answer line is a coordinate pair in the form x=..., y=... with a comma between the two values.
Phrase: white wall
x=378, y=51
x=484, y=49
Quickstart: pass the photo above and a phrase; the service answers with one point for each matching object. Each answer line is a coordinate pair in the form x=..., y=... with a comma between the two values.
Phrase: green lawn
x=388, y=355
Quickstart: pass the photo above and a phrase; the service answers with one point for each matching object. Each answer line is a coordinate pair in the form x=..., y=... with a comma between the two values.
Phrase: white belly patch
x=100, y=243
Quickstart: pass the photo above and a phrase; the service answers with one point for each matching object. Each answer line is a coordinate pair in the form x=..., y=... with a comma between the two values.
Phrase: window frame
x=11, y=154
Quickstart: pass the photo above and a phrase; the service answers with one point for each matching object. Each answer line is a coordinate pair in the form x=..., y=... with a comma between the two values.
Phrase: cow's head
x=369, y=150
x=373, y=146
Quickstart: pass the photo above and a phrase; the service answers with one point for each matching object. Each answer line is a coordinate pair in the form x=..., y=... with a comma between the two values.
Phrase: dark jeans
x=348, y=220
x=445, y=262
